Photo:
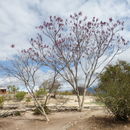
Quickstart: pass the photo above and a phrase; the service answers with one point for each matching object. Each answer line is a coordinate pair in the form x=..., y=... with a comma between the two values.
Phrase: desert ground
x=94, y=117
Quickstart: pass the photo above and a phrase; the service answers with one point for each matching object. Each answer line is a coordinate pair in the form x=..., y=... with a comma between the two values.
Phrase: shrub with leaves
x=37, y=110
x=1, y=101
x=17, y=113
x=20, y=96
x=114, y=89
x=28, y=99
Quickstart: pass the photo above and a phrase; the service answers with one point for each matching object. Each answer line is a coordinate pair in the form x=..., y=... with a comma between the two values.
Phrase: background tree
x=114, y=89
x=51, y=86
x=12, y=89
x=77, y=47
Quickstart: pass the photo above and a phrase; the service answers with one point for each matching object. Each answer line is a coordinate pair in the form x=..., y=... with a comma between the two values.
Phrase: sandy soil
x=95, y=119
x=99, y=120
x=58, y=121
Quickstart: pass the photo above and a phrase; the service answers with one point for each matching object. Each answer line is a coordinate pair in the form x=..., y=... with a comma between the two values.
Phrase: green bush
x=1, y=101
x=38, y=112
x=28, y=99
x=20, y=96
x=17, y=113
x=114, y=90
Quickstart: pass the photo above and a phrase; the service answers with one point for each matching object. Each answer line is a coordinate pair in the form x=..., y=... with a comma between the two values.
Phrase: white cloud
x=40, y=77
x=18, y=18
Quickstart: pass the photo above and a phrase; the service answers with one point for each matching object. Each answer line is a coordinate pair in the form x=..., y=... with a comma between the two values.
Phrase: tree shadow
x=108, y=122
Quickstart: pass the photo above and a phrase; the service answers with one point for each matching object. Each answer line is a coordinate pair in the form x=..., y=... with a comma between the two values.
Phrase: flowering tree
x=77, y=47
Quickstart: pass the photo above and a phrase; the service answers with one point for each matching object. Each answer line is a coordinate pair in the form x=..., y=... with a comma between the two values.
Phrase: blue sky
x=18, y=19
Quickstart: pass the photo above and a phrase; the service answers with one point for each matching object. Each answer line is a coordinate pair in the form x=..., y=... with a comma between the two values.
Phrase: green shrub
x=28, y=99
x=114, y=90
x=38, y=112
x=20, y=96
x=1, y=101
x=17, y=113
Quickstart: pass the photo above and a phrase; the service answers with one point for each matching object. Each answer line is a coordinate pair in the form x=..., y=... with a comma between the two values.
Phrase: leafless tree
x=50, y=86
x=24, y=69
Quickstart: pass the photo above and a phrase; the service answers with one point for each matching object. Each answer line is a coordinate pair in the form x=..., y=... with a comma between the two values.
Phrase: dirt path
x=59, y=121
x=87, y=120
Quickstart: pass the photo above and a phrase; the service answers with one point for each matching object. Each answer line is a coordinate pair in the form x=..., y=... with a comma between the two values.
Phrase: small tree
x=12, y=89
x=25, y=70
x=114, y=89
x=51, y=86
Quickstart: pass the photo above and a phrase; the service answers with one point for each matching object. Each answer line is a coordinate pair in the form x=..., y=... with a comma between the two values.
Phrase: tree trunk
x=37, y=104
x=42, y=109
x=79, y=102
x=46, y=99
x=82, y=102
x=44, y=114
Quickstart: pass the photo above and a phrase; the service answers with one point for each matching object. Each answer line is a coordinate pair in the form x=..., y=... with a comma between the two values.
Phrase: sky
x=18, y=19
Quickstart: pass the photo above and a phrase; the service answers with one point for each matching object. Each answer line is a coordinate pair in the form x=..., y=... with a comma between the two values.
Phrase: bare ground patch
x=58, y=121
x=99, y=120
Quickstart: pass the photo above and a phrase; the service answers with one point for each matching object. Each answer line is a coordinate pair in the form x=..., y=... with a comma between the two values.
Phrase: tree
x=51, y=86
x=24, y=69
x=114, y=89
x=77, y=47
x=12, y=89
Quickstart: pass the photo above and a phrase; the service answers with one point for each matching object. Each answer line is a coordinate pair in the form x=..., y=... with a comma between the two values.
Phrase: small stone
x=125, y=126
